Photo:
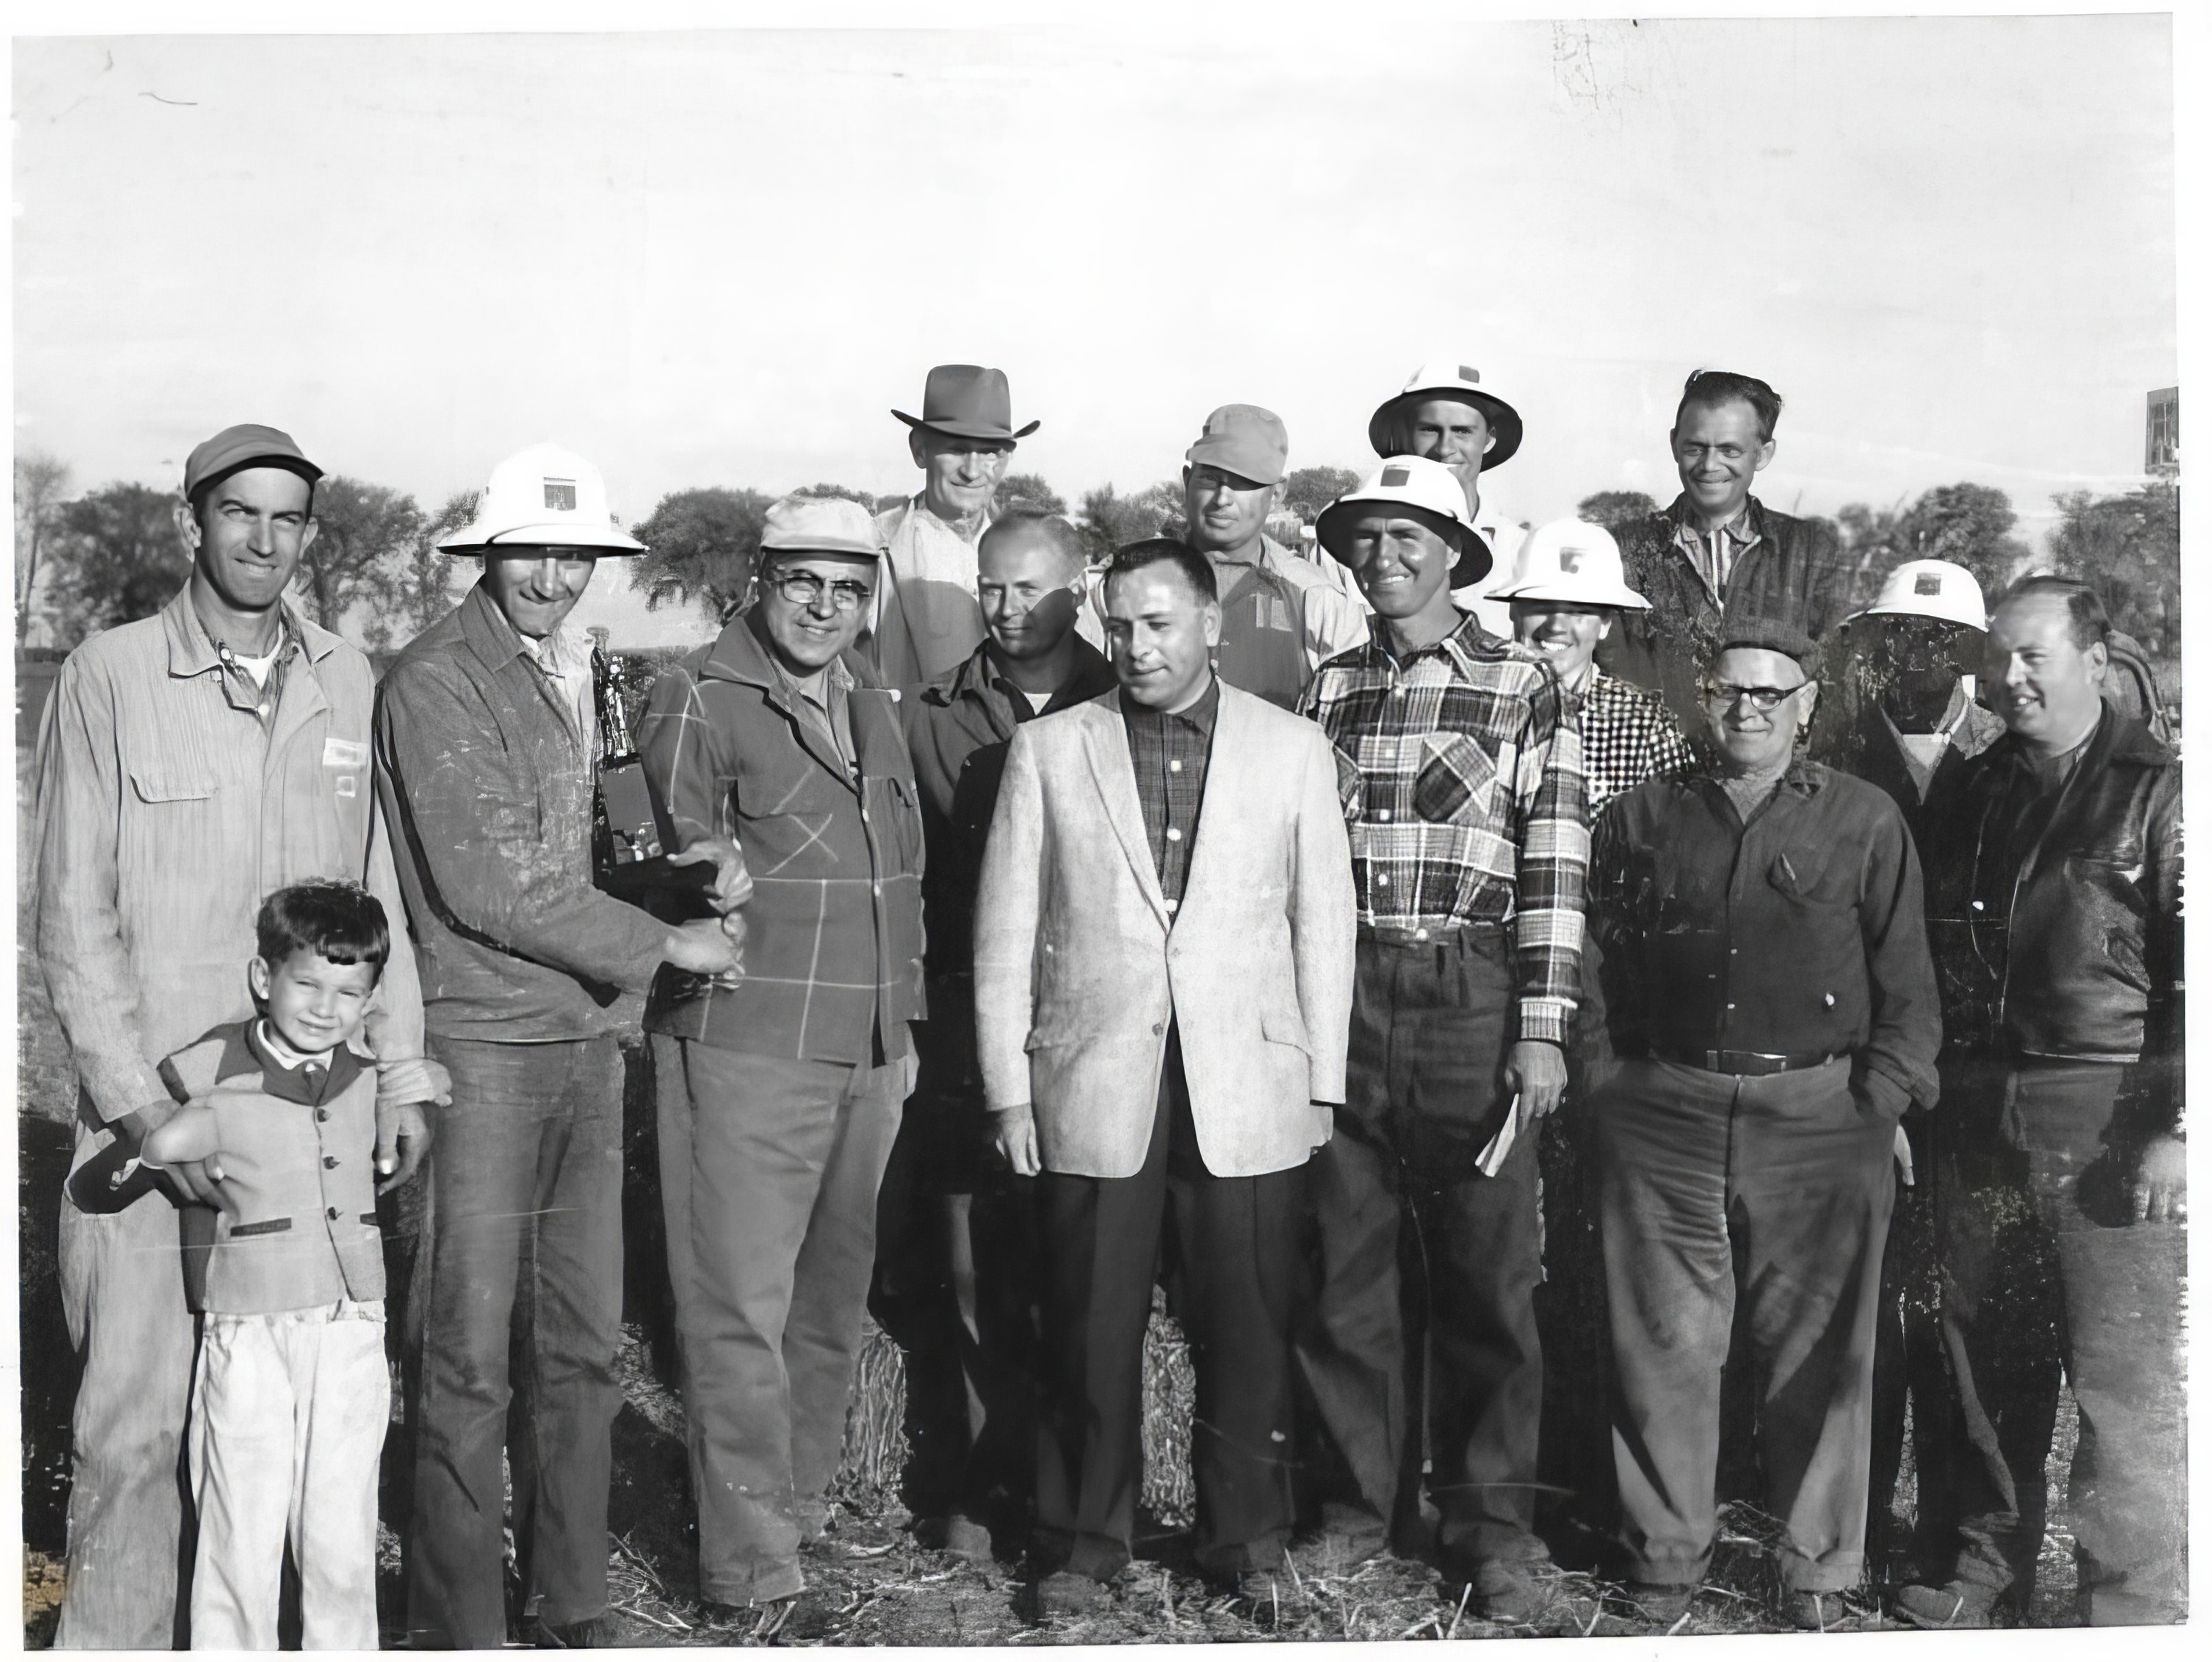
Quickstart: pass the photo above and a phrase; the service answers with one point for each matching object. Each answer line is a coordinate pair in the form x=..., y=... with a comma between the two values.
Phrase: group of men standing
x=1225, y=917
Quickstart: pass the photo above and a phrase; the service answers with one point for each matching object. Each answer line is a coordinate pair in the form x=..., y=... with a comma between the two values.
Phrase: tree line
x=88, y=561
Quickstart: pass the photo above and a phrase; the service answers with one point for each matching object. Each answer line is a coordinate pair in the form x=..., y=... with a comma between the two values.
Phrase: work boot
x=1954, y=1604
x=1070, y=1592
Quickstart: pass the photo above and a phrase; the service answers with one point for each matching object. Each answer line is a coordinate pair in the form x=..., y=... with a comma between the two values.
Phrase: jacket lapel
x=1107, y=750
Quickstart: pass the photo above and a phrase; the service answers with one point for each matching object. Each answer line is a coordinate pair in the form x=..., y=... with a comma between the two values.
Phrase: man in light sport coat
x=1164, y=953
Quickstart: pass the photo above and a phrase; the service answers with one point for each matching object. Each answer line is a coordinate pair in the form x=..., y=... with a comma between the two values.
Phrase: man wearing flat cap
x=1446, y=414
x=1281, y=616
x=1461, y=773
x=923, y=619
x=188, y=765
x=781, y=1088
x=1767, y=985
x=487, y=746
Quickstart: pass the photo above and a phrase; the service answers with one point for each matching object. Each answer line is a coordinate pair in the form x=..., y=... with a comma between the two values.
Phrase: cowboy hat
x=966, y=401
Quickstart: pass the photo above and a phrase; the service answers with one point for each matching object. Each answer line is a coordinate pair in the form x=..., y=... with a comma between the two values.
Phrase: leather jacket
x=2079, y=956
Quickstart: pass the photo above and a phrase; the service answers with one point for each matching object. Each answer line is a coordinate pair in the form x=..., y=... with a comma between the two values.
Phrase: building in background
x=2162, y=432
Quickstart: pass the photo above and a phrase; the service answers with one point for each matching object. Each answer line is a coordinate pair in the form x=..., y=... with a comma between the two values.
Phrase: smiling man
x=1716, y=552
x=955, y=1262
x=1767, y=985
x=2055, y=901
x=780, y=1089
x=188, y=765
x=487, y=749
x=1163, y=960
x=923, y=618
x=1460, y=769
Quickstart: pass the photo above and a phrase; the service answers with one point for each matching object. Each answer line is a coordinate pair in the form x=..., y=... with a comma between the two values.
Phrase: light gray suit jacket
x=1079, y=966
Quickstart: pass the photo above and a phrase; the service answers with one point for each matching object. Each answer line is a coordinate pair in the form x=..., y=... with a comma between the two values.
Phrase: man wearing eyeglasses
x=781, y=1088
x=1767, y=984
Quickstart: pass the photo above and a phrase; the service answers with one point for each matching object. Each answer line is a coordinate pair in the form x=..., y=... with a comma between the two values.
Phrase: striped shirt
x=1461, y=770
x=1629, y=735
x=1713, y=554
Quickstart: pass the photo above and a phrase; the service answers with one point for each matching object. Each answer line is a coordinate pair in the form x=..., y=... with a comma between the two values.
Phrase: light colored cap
x=1462, y=382
x=1424, y=490
x=1574, y=561
x=821, y=525
x=1244, y=440
x=544, y=497
x=1931, y=588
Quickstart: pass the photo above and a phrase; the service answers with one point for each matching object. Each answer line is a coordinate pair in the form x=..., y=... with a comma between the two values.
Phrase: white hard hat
x=1571, y=561
x=544, y=497
x=1931, y=588
x=1430, y=492
x=1462, y=382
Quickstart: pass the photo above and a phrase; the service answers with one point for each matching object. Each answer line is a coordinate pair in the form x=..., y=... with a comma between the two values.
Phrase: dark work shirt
x=1262, y=649
x=1800, y=933
x=1169, y=754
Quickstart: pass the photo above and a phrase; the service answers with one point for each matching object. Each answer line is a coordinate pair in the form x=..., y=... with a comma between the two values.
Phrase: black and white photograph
x=904, y=826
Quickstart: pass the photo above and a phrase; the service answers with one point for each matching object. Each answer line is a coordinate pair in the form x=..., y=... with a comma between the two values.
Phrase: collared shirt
x=925, y=618
x=1170, y=753
x=1713, y=554
x=167, y=811
x=1629, y=735
x=1801, y=932
x=565, y=659
x=1461, y=770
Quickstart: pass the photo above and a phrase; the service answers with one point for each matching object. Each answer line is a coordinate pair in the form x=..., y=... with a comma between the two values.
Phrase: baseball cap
x=247, y=445
x=821, y=525
x=1244, y=440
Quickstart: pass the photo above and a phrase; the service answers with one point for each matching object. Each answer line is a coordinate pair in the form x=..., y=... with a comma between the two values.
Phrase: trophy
x=630, y=828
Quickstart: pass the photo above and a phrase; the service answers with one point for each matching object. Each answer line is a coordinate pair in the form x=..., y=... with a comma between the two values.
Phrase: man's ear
x=1605, y=626
x=1765, y=455
x=1490, y=443
x=917, y=447
x=2100, y=659
x=188, y=530
x=1213, y=611
x=308, y=534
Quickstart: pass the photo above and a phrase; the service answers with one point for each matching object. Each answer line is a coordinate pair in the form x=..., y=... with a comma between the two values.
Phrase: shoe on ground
x=1955, y=1605
x=1071, y=1592
x=801, y=1616
x=1500, y=1591
x=594, y=1632
x=1336, y=1552
x=1266, y=1590
x=1664, y=1602
x=1811, y=1611
x=966, y=1540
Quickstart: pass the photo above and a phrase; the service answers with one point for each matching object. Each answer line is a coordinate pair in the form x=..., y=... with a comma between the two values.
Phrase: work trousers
x=1456, y=1338
x=520, y=1303
x=123, y=1293
x=288, y=1416
x=768, y=1173
x=1230, y=1248
x=1780, y=1188
x=2043, y=1266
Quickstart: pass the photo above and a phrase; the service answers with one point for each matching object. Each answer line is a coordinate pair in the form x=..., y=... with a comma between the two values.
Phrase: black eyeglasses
x=803, y=589
x=1723, y=696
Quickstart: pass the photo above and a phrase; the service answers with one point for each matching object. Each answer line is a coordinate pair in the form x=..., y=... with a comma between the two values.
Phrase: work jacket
x=2078, y=954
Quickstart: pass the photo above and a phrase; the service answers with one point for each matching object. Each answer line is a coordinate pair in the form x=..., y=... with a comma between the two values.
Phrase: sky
x=723, y=257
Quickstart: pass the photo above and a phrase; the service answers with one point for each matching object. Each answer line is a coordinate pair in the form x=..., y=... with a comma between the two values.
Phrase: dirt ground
x=871, y=1583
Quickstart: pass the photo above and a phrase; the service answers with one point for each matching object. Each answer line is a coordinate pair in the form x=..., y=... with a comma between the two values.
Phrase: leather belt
x=1748, y=1063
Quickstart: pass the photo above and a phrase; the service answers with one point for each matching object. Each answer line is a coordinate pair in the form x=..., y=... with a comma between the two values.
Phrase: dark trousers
x=2045, y=1267
x=1779, y=1187
x=769, y=1172
x=520, y=1306
x=956, y=1286
x=1456, y=1338
x=1231, y=1246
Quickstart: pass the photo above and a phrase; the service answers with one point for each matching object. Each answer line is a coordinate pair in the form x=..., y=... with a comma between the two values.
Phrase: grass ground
x=871, y=1583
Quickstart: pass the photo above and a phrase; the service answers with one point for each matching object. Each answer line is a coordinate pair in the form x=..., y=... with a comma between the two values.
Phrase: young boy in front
x=290, y=1395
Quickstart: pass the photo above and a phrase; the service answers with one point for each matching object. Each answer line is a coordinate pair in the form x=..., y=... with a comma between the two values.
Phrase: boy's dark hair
x=342, y=922
x=1711, y=388
x=2086, y=620
x=1196, y=569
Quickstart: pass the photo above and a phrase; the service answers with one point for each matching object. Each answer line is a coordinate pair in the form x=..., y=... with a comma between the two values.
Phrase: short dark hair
x=1142, y=556
x=197, y=501
x=342, y=922
x=1710, y=388
x=1054, y=528
x=2087, y=619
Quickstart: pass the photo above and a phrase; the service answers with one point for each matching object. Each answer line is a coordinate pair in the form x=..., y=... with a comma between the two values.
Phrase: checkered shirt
x=1629, y=735
x=1461, y=771
x=1169, y=754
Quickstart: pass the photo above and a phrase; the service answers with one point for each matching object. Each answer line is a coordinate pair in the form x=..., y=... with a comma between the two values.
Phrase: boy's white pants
x=288, y=1416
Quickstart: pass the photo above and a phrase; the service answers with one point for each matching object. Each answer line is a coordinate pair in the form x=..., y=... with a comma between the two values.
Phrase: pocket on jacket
x=1810, y=875
x=157, y=783
x=1455, y=779
x=1281, y=1027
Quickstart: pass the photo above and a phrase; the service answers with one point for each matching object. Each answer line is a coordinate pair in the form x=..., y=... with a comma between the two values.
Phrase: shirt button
x=333, y=1215
x=1159, y=1027
x=864, y=816
x=1420, y=934
x=1731, y=1007
x=1382, y=878
x=1170, y=906
x=330, y=1162
x=322, y=1113
x=1828, y=999
x=1173, y=765
x=1384, y=816
x=879, y=891
x=1174, y=835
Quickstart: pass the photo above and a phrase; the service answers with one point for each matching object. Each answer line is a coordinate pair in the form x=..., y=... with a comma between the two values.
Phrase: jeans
x=521, y=1310
x=289, y=1415
x=2043, y=1266
x=123, y=1293
x=768, y=1173
x=1781, y=1187
x=1231, y=1253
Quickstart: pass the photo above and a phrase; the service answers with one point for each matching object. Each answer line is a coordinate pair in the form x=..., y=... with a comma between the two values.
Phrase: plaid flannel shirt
x=1629, y=735
x=1169, y=754
x=1461, y=770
